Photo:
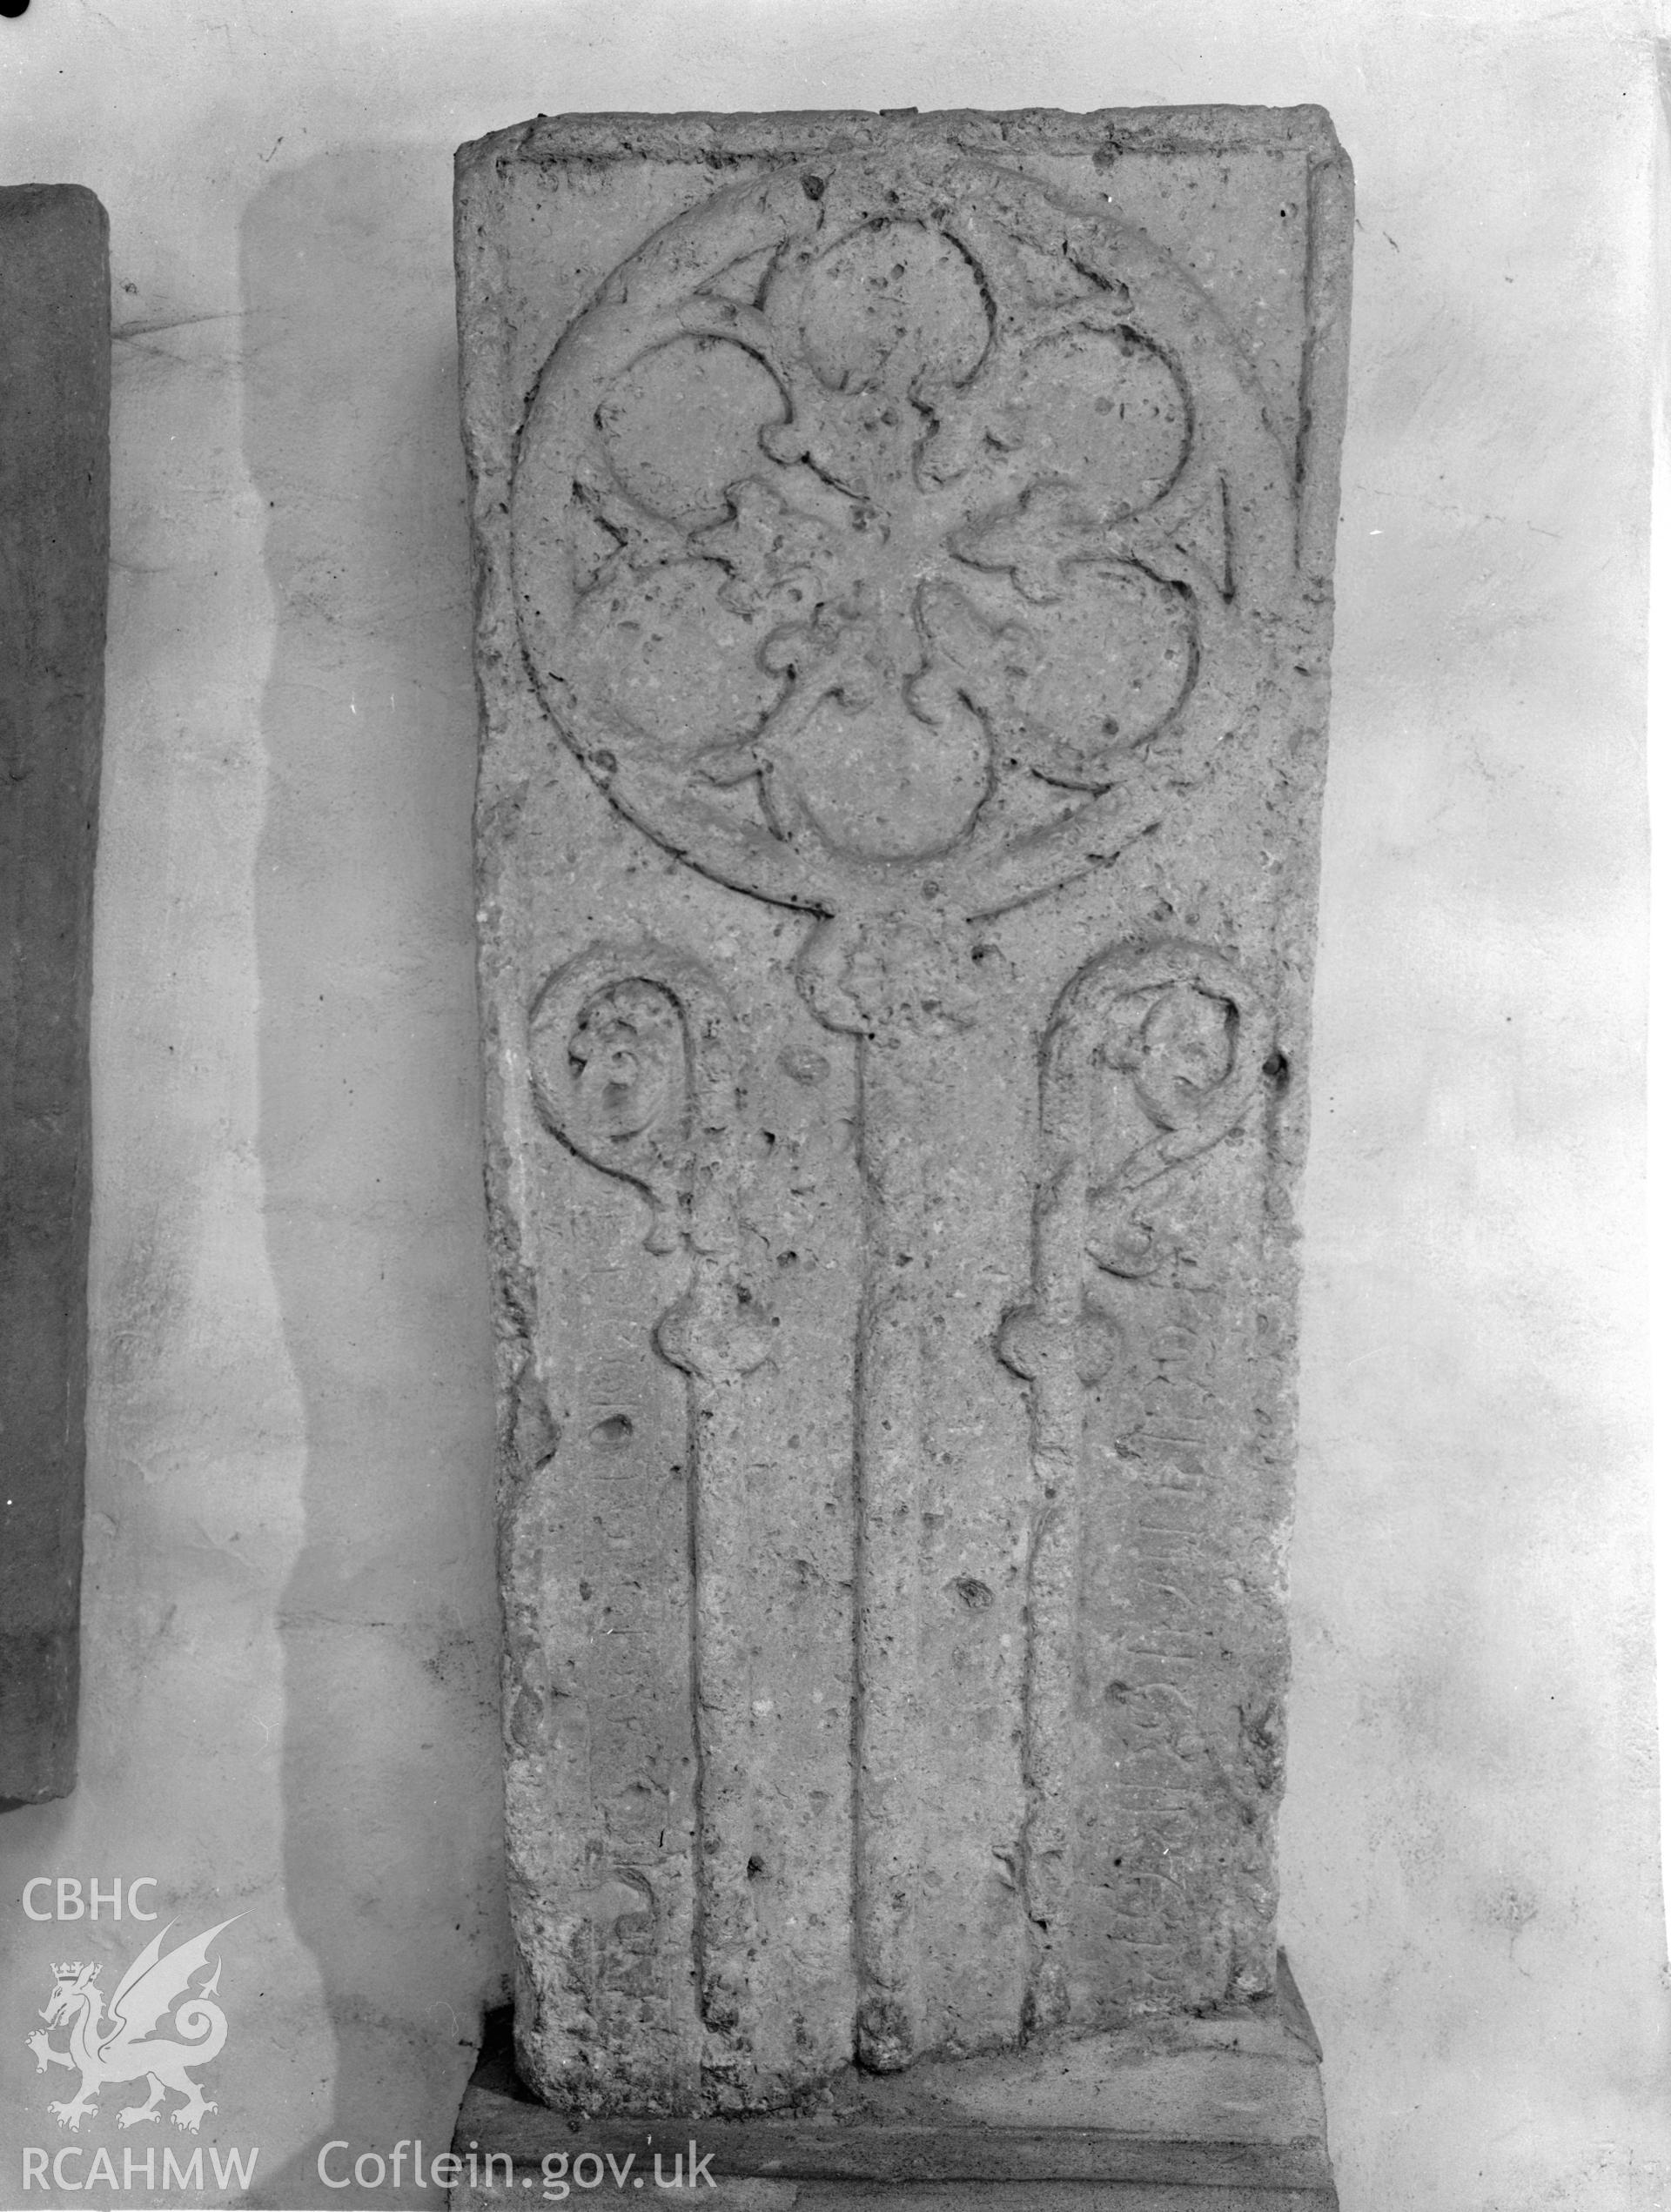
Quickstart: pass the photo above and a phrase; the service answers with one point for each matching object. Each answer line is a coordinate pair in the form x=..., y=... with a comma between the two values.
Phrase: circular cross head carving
x=891, y=524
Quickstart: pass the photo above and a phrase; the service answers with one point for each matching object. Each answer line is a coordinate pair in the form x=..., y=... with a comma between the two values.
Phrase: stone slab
x=1157, y=2115
x=54, y=560
x=736, y=2193
x=903, y=549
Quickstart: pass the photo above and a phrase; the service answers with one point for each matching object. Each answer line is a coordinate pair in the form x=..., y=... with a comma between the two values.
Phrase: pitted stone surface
x=55, y=383
x=903, y=548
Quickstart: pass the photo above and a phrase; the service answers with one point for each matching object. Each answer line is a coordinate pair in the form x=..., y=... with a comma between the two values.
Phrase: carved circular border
x=652, y=299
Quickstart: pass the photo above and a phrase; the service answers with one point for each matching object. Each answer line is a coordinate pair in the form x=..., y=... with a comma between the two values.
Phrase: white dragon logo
x=121, y=2049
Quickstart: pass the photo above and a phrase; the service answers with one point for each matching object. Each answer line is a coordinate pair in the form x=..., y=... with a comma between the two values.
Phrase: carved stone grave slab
x=55, y=387
x=903, y=549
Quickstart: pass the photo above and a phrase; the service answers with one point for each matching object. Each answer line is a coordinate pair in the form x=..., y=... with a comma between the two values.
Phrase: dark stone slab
x=55, y=383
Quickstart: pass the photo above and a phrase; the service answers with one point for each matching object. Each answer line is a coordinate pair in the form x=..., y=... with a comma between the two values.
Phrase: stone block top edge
x=712, y=138
x=79, y=203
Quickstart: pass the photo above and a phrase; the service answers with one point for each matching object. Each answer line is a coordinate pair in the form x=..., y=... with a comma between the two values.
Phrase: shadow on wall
x=370, y=1136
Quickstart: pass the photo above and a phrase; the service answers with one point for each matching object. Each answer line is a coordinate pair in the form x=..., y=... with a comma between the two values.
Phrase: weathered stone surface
x=735, y=2193
x=1158, y=2114
x=54, y=554
x=903, y=548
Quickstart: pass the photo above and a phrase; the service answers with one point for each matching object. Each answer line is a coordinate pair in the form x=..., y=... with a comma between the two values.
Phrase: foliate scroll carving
x=637, y=1067
x=1192, y=1040
x=611, y=1076
x=1179, y=1030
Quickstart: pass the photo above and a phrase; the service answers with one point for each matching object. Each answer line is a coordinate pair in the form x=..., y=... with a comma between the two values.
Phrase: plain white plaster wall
x=289, y=1629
